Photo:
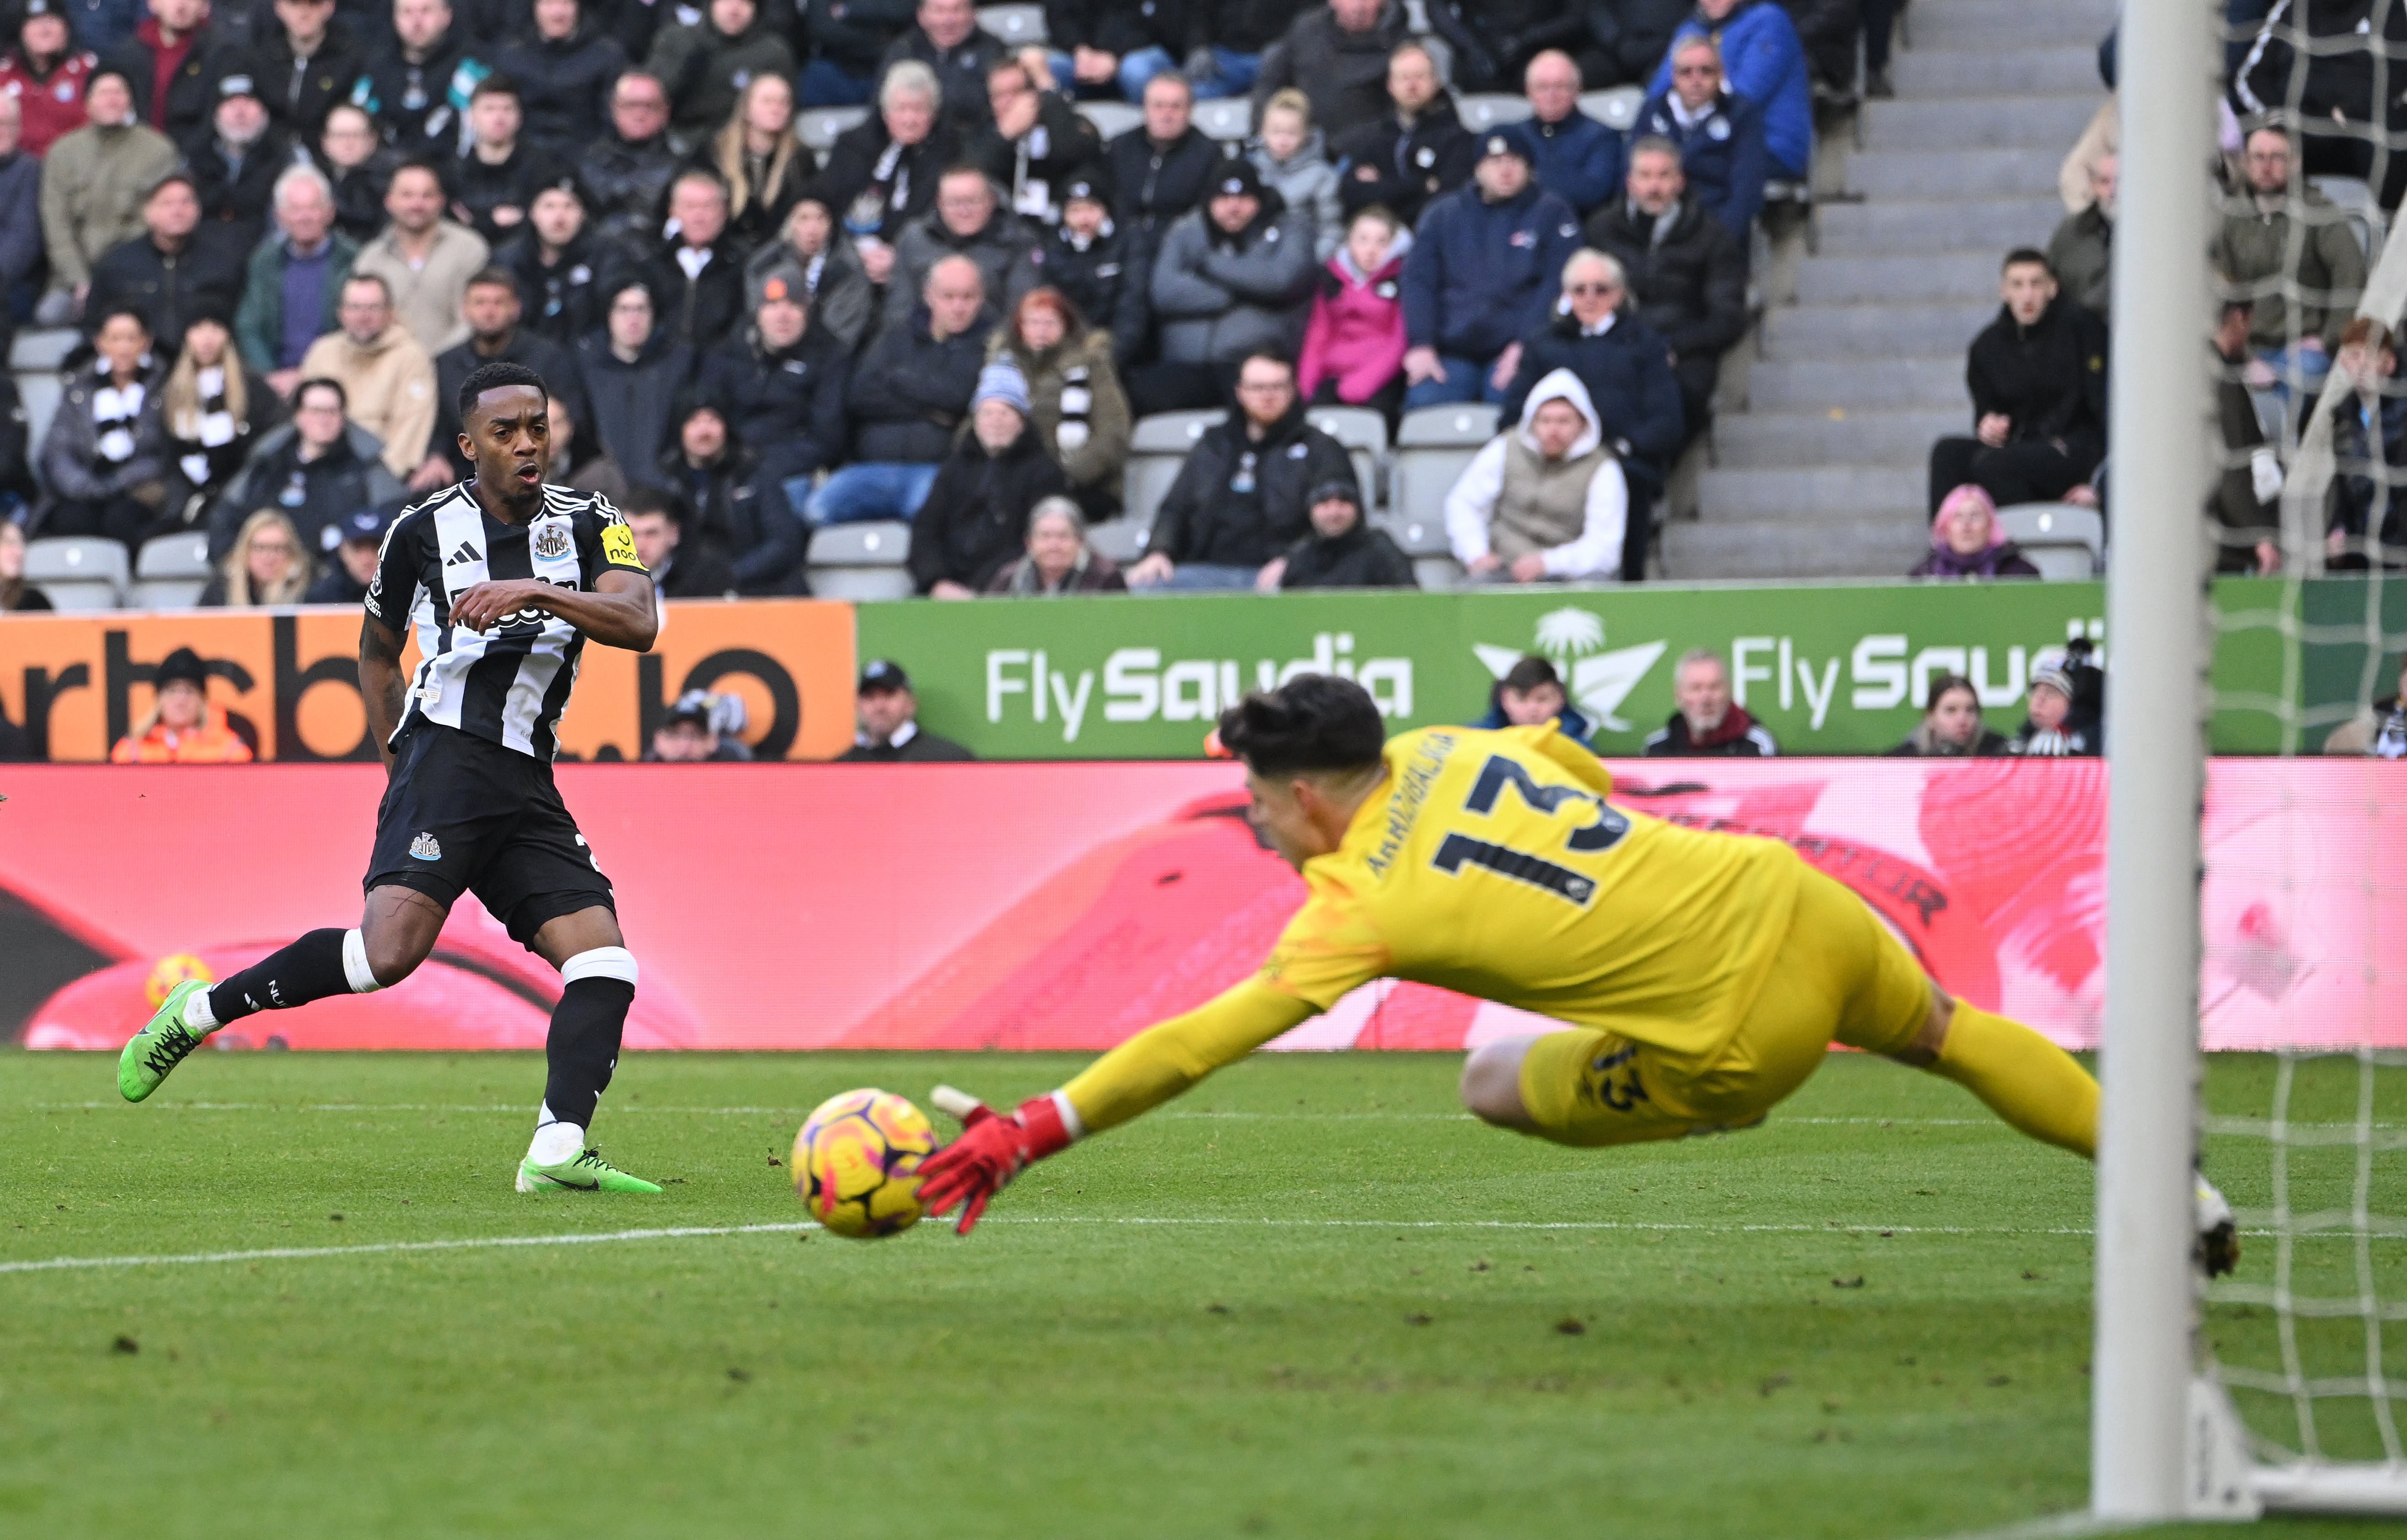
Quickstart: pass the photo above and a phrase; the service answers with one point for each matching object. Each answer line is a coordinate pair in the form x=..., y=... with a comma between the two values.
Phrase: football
x=857, y=1162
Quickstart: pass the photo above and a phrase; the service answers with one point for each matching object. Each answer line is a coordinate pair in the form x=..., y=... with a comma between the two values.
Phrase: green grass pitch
x=1308, y=1300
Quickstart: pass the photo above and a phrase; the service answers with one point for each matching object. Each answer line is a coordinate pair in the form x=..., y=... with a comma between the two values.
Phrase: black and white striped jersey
x=510, y=684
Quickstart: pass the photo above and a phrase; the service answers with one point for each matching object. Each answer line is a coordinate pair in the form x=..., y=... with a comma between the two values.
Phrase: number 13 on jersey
x=1602, y=833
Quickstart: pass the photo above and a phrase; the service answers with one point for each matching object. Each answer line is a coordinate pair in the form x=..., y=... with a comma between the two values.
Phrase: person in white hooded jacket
x=1544, y=501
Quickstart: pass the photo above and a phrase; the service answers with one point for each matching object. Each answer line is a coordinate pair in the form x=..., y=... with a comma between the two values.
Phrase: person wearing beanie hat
x=46, y=74
x=1415, y=150
x=975, y=521
x=93, y=180
x=1096, y=265
x=181, y=728
x=1342, y=551
x=1232, y=279
x=2049, y=731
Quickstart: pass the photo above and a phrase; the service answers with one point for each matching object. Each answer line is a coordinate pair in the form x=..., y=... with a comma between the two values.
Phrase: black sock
x=583, y=1047
x=311, y=968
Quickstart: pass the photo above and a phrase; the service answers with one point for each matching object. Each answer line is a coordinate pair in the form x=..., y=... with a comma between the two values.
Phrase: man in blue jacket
x=1483, y=273
x=1579, y=159
x=1766, y=65
x=1718, y=133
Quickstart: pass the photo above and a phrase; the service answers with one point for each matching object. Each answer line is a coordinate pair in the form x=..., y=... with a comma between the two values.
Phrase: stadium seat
x=39, y=395
x=1416, y=20
x=2357, y=200
x=45, y=347
x=862, y=561
x=1433, y=446
x=1437, y=572
x=817, y=127
x=2061, y=539
x=170, y=572
x=1416, y=537
x=1364, y=433
x=1171, y=432
x=1231, y=119
x=77, y=571
x=1143, y=483
x=1020, y=26
x=1617, y=108
x=1112, y=118
x=1122, y=540
x=1483, y=110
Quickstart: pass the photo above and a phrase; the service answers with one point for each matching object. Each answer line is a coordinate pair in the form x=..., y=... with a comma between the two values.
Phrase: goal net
x=2279, y=1387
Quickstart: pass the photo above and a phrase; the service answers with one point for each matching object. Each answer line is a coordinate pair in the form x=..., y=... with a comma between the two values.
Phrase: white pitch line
x=2062, y=1526
x=798, y=1111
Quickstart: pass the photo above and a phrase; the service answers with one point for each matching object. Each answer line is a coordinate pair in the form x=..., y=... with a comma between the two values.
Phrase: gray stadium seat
x=1020, y=26
x=1171, y=432
x=39, y=395
x=1122, y=539
x=170, y=572
x=1143, y=483
x=1416, y=537
x=2357, y=200
x=1617, y=108
x=1355, y=426
x=1434, y=445
x=77, y=571
x=41, y=348
x=817, y=127
x=1483, y=110
x=1437, y=572
x=1112, y=118
x=2061, y=539
x=862, y=583
x=879, y=543
x=1466, y=426
x=1229, y=119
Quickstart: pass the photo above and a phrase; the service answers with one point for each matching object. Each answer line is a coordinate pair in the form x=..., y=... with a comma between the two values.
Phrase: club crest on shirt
x=427, y=848
x=551, y=541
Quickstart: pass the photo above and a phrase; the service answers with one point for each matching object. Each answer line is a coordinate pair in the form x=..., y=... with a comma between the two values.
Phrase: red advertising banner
x=1069, y=905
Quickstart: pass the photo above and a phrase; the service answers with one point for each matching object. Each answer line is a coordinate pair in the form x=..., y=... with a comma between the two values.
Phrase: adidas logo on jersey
x=427, y=848
x=466, y=556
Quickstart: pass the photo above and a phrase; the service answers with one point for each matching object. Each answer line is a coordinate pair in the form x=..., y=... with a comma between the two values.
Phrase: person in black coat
x=2038, y=379
x=626, y=168
x=889, y=717
x=358, y=166
x=304, y=72
x=409, y=84
x=177, y=270
x=782, y=383
x=1037, y=144
x=1627, y=39
x=1158, y=171
x=1340, y=55
x=496, y=177
x=494, y=337
x=562, y=67
x=1095, y=262
x=882, y=174
x=235, y=168
x=558, y=267
x=681, y=569
x=1494, y=40
x=1687, y=277
x=974, y=522
x=633, y=371
x=907, y=396
x=2366, y=506
x=718, y=479
x=701, y=308
x=1342, y=551
x=848, y=39
x=1115, y=46
x=945, y=37
x=1411, y=154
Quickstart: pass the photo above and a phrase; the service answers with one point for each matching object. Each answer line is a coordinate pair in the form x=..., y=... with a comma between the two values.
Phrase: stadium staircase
x=1859, y=363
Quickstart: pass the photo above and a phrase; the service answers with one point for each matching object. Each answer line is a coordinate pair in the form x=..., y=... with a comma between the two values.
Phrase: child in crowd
x=1354, y=343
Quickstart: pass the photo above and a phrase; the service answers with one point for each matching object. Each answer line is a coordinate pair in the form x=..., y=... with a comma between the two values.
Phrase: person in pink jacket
x=1353, y=345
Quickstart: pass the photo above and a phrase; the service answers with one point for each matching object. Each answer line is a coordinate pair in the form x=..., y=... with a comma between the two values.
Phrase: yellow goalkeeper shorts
x=1841, y=976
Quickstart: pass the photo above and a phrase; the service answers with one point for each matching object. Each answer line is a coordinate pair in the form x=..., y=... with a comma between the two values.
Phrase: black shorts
x=465, y=815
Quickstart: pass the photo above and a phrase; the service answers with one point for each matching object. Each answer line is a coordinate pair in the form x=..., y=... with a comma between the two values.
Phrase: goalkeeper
x=1704, y=975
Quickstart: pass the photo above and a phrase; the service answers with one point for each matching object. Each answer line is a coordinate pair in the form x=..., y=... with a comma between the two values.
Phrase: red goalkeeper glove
x=991, y=1150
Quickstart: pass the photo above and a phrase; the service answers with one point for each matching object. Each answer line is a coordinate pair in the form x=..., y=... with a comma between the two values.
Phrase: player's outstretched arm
x=1140, y=1074
x=620, y=611
x=380, y=682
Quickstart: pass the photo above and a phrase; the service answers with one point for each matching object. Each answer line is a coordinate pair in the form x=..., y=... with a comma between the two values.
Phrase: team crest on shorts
x=551, y=542
x=427, y=848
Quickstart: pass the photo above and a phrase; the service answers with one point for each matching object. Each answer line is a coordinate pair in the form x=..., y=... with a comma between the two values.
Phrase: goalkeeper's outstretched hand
x=991, y=1150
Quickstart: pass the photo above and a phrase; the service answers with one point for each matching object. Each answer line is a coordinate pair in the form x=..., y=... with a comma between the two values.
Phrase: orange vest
x=210, y=743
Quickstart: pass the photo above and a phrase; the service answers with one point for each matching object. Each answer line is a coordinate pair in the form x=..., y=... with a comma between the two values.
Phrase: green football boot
x=161, y=1046
x=587, y=1173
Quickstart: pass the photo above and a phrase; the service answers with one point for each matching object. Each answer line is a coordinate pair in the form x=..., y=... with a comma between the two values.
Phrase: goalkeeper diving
x=1701, y=976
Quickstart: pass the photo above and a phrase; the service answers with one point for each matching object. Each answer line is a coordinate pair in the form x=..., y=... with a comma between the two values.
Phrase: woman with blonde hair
x=216, y=406
x=266, y=566
x=758, y=156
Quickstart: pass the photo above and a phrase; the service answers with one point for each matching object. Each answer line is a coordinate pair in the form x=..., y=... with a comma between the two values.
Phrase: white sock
x=555, y=1143
x=197, y=1014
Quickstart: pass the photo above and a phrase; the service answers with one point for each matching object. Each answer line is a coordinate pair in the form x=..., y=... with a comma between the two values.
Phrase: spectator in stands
x=580, y=462
x=847, y=45
x=881, y=175
x=1966, y=542
x=386, y=377
x=1544, y=502
x=417, y=86
x=45, y=74
x=491, y=310
x=494, y=178
x=1412, y=151
x=1160, y=169
x=945, y=37
x=2050, y=732
x=626, y=168
x=105, y=459
x=215, y=408
x=975, y=520
x=2366, y=507
x=563, y=66
x=1226, y=40
x=19, y=597
x=557, y=266
x=1718, y=133
x=1494, y=43
x=907, y=395
x=264, y=564
x=1294, y=159
x=168, y=66
x=2082, y=250
x=1243, y=495
x=296, y=279
x=308, y=63
x=2246, y=505
x=1579, y=159
x=93, y=184
x=1111, y=48
x=2313, y=289
x=1232, y=279
x=1707, y=723
x=970, y=222
x=1530, y=694
x=632, y=371
x=357, y=167
x=1951, y=726
x=424, y=260
x=1340, y=55
x=175, y=270
x=1483, y=273
x=1036, y=145
x=352, y=565
x=2379, y=731
x=1098, y=267
x=693, y=734
x=181, y=728
x=313, y=471
x=18, y=492
x=1353, y=345
x=657, y=520
x=698, y=282
x=2037, y=380
x=1058, y=560
x=236, y=165
x=716, y=476
x=1688, y=275
x=821, y=263
x=705, y=64
x=782, y=388
x=889, y=716
x=1758, y=49
x=20, y=222
x=1076, y=408
x=1624, y=364
x=763, y=164
x=1342, y=551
